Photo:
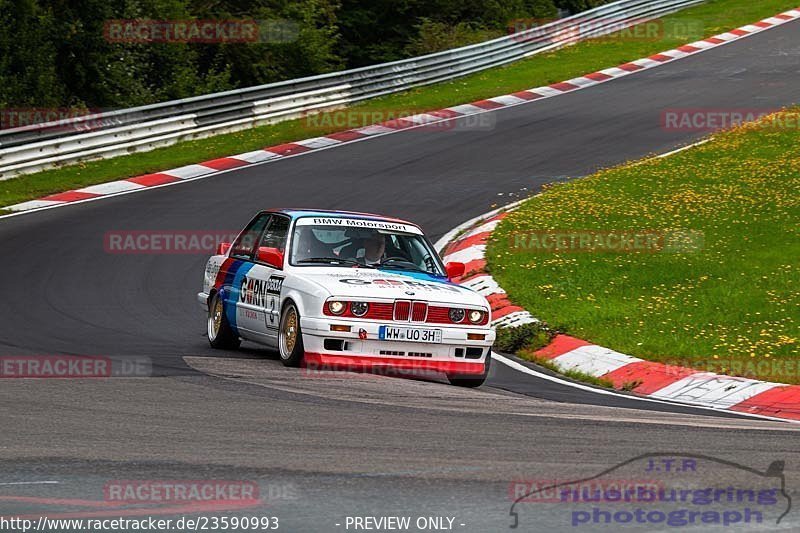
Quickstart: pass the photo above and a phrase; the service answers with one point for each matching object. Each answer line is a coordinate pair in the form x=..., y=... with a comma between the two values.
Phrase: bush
x=55, y=54
x=437, y=36
x=576, y=6
x=59, y=56
x=375, y=31
x=528, y=337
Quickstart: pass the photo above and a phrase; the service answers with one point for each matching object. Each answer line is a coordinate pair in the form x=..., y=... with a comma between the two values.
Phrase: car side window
x=276, y=234
x=420, y=256
x=245, y=245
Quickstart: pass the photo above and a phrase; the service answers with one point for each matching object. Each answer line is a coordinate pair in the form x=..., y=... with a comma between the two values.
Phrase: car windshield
x=368, y=247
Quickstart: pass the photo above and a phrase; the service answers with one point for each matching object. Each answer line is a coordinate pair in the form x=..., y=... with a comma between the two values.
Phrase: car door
x=240, y=311
x=260, y=290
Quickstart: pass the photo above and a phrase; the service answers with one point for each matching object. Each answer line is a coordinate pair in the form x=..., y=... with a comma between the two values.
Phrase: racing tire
x=220, y=333
x=469, y=381
x=290, y=338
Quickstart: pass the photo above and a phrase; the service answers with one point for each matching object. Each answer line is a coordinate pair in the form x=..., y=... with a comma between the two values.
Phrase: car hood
x=390, y=284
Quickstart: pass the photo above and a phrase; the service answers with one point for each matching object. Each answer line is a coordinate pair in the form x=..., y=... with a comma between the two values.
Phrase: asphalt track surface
x=332, y=446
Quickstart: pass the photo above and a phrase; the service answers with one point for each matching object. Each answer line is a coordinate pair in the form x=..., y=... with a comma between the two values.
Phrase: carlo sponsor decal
x=257, y=291
x=264, y=294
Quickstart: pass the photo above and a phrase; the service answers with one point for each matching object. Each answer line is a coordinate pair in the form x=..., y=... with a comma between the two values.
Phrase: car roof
x=297, y=213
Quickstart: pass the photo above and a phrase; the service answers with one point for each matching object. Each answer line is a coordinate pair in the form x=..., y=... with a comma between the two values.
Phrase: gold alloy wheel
x=290, y=331
x=216, y=317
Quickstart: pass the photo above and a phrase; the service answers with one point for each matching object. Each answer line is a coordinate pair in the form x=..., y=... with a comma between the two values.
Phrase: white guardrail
x=33, y=148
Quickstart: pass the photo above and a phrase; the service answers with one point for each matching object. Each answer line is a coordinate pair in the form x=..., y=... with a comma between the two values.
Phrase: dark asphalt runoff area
x=326, y=449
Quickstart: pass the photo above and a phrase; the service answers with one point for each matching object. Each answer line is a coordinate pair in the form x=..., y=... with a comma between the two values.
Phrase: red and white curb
x=282, y=151
x=469, y=247
x=656, y=381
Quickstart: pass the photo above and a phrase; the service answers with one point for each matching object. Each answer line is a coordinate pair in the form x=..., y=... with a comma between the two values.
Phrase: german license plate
x=393, y=333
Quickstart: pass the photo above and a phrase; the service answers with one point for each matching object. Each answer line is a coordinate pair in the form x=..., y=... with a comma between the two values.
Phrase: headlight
x=476, y=317
x=359, y=308
x=337, y=308
x=456, y=315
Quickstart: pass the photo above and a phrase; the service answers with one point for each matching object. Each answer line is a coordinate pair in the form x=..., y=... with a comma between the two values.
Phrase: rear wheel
x=220, y=333
x=471, y=381
x=290, y=338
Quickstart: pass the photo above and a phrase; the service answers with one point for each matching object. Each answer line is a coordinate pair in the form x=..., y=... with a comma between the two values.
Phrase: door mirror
x=271, y=256
x=223, y=247
x=455, y=270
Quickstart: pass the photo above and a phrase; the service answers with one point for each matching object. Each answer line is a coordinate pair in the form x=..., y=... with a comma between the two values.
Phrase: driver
x=374, y=248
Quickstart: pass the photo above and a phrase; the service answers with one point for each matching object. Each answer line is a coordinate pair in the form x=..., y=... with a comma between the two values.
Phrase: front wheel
x=290, y=338
x=460, y=380
x=220, y=333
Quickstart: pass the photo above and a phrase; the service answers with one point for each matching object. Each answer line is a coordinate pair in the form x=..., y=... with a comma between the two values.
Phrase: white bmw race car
x=346, y=290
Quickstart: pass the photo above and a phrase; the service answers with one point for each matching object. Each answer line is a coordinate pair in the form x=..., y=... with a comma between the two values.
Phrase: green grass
x=714, y=17
x=724, y=296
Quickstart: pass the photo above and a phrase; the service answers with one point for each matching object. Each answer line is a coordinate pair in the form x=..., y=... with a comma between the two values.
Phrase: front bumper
x=454, y=355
